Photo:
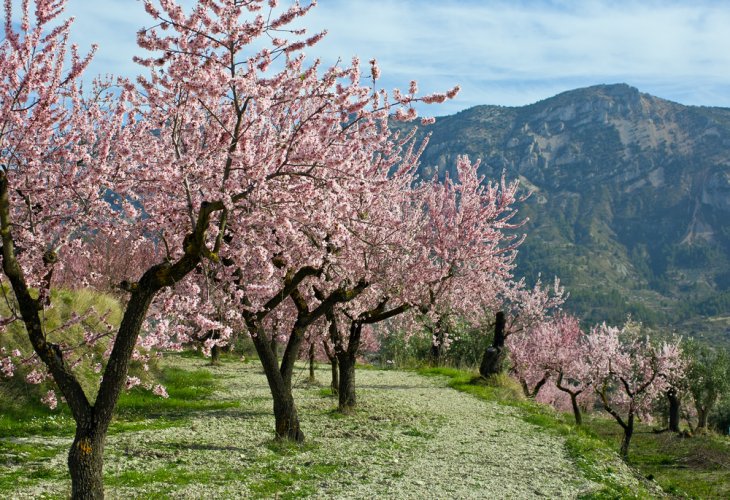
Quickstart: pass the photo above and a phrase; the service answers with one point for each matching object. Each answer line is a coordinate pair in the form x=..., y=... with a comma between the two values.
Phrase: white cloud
x=501, y=52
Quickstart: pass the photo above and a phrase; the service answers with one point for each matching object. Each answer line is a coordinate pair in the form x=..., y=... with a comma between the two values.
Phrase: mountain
x=630, y=201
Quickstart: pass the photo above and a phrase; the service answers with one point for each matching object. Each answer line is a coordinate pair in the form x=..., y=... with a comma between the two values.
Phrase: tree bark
x=493, y=359
x=86, y=461
x=626, y=441
x=215, y=355
x=285, y=411
x=287, y=418
x=312, y=379
x=674, y=405
x=576, y=409
x=347, y=397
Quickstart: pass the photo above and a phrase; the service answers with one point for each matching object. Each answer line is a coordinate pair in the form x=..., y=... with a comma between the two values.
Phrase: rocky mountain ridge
x=630, y=201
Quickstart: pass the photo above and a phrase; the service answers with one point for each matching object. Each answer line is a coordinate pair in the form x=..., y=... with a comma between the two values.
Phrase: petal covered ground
x=412, y=437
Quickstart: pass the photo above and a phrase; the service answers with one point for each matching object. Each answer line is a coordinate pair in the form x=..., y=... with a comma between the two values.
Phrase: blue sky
x=500, y=52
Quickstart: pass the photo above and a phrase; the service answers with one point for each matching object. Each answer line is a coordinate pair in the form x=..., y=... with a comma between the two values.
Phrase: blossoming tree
x=628, y=373
x=451, y=248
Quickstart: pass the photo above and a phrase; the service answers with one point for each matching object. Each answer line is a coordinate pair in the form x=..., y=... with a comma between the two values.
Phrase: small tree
x=708, y=378
x=629, y=372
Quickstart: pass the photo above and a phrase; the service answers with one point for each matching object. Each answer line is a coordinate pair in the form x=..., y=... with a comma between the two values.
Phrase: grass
x=145, y=465
x=189, y=394
x=695, y=467
x=188, y=391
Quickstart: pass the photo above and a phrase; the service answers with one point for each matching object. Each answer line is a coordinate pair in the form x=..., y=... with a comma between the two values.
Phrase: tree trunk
x=347, y=397
x=215, y=355
x=673, y=398
x=287, y=419
x=535, y=390
x=702, y=417
x=576, y=409
x=312, y=379
x=274, y=346
x=574, y=393
x=85, y=463
x=493, y=359
x=626, y=441
x=285, y=411
x=335, y=384
x=435, y=355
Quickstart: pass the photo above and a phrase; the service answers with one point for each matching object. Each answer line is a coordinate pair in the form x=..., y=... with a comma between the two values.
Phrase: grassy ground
x=36, y=439
x=696, y=467
x=411, y=437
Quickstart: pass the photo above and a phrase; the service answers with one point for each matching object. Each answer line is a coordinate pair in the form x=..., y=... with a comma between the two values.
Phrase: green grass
x=279, y=479
x=188, y=390
x=137, y=410
x=695, y=467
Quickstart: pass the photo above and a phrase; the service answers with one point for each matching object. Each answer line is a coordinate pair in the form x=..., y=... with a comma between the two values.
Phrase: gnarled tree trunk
x=285, y=411
x=493, y=359
x=279, y=375
x=574, y=393
x=532, y=394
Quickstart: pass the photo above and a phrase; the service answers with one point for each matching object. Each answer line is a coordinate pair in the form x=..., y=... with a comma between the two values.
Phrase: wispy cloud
x=501, y=52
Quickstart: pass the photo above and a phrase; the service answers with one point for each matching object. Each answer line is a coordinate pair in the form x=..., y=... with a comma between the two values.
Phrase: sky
x=501, y=52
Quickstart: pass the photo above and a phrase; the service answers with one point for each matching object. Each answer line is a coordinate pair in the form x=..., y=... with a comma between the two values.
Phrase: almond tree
x=61, y=155
x=305, y=151
x=522, y=308
x=572, y=364
x=629, y=373
x=555, y=349
x=229, y=154
x=451, y=247
x=532, y=356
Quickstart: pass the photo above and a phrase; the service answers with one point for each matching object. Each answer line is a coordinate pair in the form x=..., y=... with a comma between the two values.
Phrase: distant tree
x=629, y=373
x=708, y=378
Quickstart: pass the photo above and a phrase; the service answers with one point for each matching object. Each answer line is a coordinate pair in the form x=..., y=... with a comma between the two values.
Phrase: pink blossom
x=50, y=400
x=35, y=377
x=7, y=367
x=160, y=391
x=374, y=69
x=132, y=382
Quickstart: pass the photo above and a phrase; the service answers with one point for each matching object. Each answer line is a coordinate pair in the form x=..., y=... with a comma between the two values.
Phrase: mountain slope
x=630, y=203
